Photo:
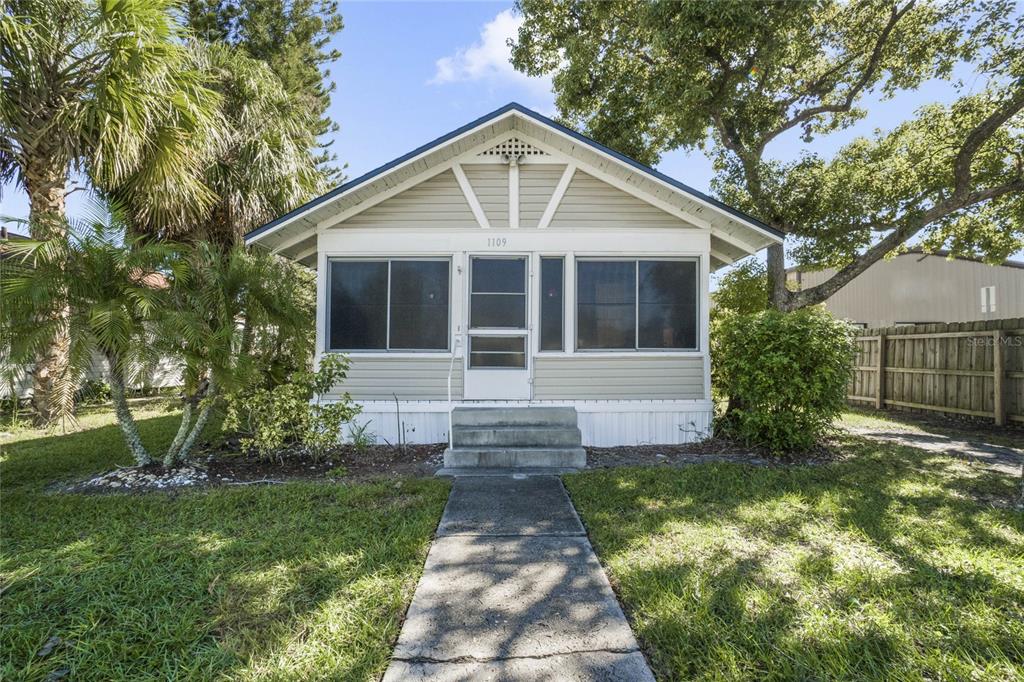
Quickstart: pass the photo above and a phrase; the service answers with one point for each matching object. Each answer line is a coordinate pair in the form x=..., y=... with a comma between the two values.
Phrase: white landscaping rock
x=136, y=479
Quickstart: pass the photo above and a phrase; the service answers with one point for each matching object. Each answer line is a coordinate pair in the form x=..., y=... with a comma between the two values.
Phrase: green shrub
x=784, y=375
x=93, y=392
x=293, y=412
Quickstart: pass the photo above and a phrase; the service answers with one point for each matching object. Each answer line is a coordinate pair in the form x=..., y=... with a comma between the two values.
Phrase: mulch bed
x=223, y=465
x=344, y=463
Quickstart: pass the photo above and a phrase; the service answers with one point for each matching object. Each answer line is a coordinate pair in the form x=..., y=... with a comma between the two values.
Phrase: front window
x=398, y=304
x=636, y=304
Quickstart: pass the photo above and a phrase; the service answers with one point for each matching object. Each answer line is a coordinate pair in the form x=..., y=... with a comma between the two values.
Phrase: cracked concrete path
x=512, y=590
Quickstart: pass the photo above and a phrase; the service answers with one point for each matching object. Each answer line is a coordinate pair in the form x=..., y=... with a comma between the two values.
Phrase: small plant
x=784, y=374
x=93, y=392
x=293, y=412
x=337, y=472
x=361, y=436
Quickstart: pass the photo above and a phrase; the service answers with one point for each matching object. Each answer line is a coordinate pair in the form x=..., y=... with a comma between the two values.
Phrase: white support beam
x=289, y=243
x=556, y=196
x=467, y=191
x=734, y=241
x=513, y=194
x=725, y=258
x=304, y=254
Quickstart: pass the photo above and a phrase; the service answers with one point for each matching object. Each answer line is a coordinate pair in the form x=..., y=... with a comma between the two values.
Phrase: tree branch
x=851, y=95
x=891, y=241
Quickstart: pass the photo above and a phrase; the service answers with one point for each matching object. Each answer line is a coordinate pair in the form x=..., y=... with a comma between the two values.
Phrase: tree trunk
x=45, y=182
x=124, y=416
x=778, y=294
x=204, y=416
x=186, y=421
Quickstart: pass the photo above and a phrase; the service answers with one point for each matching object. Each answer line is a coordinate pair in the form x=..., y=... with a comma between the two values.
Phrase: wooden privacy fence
x=970, y=368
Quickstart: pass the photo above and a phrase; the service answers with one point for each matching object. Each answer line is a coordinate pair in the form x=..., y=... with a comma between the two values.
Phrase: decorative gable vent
x=513, y=147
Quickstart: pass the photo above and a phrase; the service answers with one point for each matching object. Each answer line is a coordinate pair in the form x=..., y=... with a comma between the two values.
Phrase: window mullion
x=387, y=329
x=636, y=306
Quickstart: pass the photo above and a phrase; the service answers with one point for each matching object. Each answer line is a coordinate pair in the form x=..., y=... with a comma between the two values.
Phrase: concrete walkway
x=512, y=590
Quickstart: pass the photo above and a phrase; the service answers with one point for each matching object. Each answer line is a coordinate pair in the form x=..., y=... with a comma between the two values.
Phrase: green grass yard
x=893, y=564
x=297, y=581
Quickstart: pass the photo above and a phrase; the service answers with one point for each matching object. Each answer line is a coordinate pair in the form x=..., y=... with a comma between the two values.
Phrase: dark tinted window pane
x=668, y=304
x=606, y=305
x=552, y=282
x=358, y=314
x=503, y=311
x=497, y=351
x=419, y=305
x=493, y=275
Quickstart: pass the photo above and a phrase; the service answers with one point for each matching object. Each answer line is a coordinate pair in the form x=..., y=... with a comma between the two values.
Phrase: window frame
x=541, y=257
x=500, y=331
x=387, y=330
x=636, y=303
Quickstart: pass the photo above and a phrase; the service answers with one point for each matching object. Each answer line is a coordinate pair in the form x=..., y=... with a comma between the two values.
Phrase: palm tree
x=220, y=301
x=113, y=290
x=109, y=89
x=262, y=165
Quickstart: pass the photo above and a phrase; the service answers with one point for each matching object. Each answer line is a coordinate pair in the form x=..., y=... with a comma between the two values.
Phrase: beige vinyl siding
x=424, y=378
x=536, y=185
x=490, y=184
x=619, y=378
x=588, y=202
x=436, y=203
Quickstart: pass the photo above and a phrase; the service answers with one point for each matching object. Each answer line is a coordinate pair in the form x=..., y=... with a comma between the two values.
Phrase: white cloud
x=487, y=59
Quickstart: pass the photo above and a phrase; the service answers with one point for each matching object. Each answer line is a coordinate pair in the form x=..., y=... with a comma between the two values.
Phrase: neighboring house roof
x=941, y=253
x=738, y=233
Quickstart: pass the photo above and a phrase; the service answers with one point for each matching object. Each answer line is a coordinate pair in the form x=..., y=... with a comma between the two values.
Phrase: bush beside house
x=784, y=376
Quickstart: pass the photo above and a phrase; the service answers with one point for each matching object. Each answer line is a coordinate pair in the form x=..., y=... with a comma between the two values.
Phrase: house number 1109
x=497, y=241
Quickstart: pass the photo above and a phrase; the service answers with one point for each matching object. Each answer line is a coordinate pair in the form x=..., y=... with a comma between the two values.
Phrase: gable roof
x=766, y=233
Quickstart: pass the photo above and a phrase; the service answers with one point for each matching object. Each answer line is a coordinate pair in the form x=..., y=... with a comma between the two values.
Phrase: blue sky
x=411, y=71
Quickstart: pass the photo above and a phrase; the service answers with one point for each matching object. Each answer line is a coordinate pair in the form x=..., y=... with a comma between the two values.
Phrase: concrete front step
x=516, y=436
x=568, y=457
x=514, y=416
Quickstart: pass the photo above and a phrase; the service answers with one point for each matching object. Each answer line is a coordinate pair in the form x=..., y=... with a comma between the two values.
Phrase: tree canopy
x=731, y=77
x=292, y=39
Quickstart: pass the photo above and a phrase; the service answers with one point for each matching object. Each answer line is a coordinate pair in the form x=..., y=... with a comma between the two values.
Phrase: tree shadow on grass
x=883, y=566
x=296, y=581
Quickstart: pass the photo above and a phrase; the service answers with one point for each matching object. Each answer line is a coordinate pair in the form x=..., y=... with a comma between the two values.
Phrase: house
x=514, y=262
x=921, y=288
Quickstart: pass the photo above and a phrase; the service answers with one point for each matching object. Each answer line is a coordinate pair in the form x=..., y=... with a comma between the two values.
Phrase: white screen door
x=497, y=353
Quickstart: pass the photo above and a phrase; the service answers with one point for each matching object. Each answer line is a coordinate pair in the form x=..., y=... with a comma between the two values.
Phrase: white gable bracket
x=557, y=195
x=467, y=191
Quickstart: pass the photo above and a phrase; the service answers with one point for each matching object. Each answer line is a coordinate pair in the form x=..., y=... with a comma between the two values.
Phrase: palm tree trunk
x=129, y=429
x=186, y=421
x=201, y=421
x=204, y=417
x=45, y=182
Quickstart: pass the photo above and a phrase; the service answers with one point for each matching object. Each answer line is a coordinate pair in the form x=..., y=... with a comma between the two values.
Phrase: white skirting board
x=602, y=423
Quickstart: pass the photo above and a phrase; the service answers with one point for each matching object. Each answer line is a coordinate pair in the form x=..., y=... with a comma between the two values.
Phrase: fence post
x=880, y=378
x=998, y=373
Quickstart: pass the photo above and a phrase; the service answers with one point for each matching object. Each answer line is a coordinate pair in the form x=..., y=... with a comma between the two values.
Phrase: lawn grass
x=892, y=564
x=297, y=581
x=1011, y=436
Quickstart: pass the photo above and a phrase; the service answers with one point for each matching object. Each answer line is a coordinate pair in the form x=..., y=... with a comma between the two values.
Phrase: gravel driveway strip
x=512, y=590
